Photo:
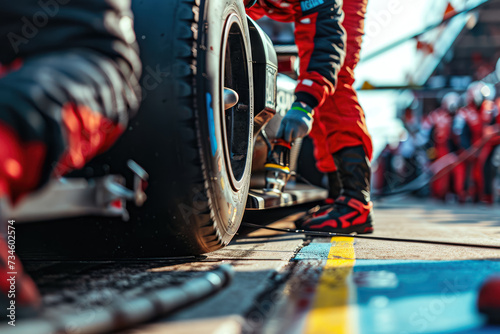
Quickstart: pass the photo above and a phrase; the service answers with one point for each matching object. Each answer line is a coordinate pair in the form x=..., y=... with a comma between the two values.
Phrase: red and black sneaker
x=334, y=191
x=317, y=211
x=323, y=209
x=347, y=215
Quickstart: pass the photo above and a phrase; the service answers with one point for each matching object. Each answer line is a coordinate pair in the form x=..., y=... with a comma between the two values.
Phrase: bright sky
x=390, y=20
x=386, y=22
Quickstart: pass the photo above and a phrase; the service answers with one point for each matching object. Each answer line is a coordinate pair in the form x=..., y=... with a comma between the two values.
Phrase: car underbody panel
x=294, y=193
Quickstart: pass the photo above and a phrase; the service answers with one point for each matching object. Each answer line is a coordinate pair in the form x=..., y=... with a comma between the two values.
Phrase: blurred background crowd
x=458, y=137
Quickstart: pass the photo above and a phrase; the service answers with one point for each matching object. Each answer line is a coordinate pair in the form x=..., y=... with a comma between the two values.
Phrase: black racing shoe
x=347, y=215
x=334, y=185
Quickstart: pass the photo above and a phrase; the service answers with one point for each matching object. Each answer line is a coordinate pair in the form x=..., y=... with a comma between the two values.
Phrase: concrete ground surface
x=291, y=284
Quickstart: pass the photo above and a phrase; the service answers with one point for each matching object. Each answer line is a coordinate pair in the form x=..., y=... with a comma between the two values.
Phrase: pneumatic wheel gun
x=278, y=166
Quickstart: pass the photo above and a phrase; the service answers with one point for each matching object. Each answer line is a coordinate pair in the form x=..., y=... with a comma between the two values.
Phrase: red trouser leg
x=324, y=160
x=472, y=179
x=482, y=177
x=379, y=171
x=459, y=176
x=440, y=187
x=341, y=116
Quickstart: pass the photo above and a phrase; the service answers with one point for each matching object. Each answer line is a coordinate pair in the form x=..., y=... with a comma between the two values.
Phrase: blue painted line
x=314, y=251
x=405, y=296
x=396, y=296
x=211, y=124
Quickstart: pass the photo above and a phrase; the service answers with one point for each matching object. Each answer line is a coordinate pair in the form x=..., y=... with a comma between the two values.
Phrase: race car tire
x=198, y=155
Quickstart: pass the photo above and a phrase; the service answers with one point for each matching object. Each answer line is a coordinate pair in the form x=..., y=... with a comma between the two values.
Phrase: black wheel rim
x=235, y=120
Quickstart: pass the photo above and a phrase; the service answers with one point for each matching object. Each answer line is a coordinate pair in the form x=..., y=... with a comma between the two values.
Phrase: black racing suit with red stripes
x=320, y=38
x=69, y=73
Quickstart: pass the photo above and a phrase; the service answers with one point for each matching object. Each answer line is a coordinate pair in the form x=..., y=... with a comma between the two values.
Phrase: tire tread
x=185, y=71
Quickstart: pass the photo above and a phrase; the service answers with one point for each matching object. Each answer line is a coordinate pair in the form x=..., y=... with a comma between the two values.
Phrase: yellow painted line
x=330, y=312
x=275, y=166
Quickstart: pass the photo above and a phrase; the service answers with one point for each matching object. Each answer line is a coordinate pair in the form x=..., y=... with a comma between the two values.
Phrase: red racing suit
x=468, y=129
x=439, y=123
x=328, y=34
x=490, y=117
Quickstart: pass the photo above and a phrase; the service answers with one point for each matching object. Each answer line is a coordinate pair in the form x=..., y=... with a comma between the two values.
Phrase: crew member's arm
x=70, y=91
x=321, y=42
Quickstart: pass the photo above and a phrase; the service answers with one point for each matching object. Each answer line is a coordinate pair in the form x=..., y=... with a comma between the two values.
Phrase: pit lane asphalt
x=285, y=285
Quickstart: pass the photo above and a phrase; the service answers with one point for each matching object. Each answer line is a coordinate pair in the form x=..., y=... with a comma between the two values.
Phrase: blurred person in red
x=69, y=76
x=490, y=116
x=438, y=125
x=468, y=128
x=328, y=34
